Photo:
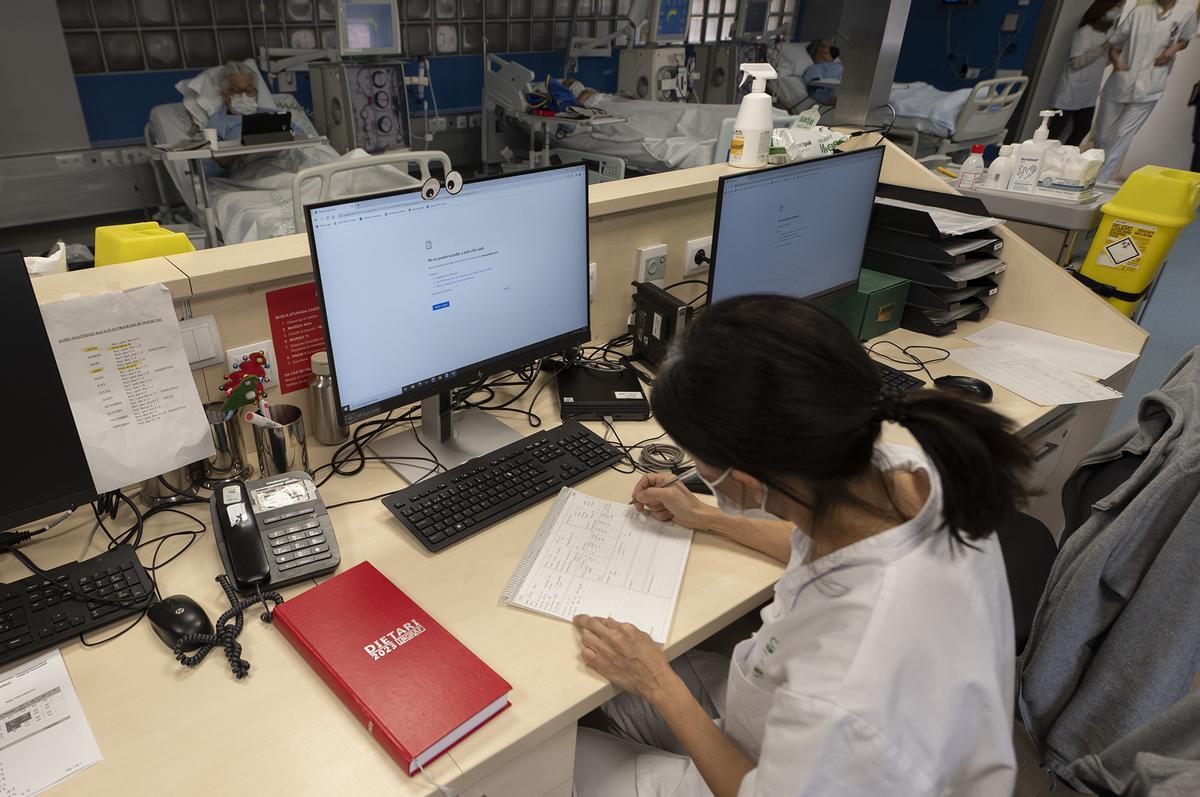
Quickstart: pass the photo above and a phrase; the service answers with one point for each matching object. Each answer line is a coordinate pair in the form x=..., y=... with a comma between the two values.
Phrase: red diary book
x=415, y=687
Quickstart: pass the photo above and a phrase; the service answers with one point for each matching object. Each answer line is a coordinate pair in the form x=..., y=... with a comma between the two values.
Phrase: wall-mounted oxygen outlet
x=234, y=356
x=591, y=280
x=697, y=248
x=651, y=264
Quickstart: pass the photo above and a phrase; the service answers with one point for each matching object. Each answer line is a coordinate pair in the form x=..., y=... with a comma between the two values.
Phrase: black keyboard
x=897, y=380
x=445, y=509
x=36, y=614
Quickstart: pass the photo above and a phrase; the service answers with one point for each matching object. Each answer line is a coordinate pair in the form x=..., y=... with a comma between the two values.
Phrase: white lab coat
x=883, y=668
x=1142, y=36
x=1078, y=87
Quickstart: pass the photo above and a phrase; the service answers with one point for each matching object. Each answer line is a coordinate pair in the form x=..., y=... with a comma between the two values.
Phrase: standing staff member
x=1144, y=45
x=1079, y=85
x=885, y=663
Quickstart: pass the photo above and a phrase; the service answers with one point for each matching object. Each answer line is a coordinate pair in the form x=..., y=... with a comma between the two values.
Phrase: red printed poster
x=297, y=333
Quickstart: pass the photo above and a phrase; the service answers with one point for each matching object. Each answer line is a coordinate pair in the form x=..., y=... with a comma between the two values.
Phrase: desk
x=191, y=158
x=163, y=728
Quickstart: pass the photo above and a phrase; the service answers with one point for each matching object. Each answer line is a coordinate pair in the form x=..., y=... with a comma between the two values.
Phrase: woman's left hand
x=624, y=655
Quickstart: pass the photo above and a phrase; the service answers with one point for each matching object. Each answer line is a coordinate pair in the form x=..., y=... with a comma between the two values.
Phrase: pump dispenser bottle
x=1028, y=164
x=751, y=142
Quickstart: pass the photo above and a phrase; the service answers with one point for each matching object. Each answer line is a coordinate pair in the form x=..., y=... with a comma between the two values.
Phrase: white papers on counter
x=44, y=735
x=131, y=390
x=948, y=222
x=1017, y=369
x=1074, y=355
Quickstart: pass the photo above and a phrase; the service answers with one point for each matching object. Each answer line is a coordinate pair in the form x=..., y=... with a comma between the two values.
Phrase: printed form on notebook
x=602, y=558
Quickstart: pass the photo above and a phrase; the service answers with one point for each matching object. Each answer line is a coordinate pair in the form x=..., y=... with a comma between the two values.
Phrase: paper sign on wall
x=297, y=332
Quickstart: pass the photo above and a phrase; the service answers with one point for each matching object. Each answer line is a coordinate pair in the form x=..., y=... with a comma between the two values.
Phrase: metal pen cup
x=281, y=448
x=229, y=461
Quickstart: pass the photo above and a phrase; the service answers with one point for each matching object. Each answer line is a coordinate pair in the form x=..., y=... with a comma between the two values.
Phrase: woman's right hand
x=675, y=503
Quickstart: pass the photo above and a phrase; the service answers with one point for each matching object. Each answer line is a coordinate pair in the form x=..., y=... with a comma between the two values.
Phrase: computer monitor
x=421, y=296
x=669, y=21
x=44, y=470
x=368, y=27
x=752, y=19
x=798, y=229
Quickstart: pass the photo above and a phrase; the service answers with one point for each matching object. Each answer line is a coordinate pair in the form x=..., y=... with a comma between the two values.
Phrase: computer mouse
x=175, y=617
x=976, y=388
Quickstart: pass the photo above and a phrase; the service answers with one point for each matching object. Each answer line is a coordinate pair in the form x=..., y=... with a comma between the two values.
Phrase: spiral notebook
x=602, y=558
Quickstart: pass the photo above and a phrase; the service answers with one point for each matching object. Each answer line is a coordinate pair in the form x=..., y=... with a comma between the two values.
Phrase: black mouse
x=976, y=388
x=175, y=617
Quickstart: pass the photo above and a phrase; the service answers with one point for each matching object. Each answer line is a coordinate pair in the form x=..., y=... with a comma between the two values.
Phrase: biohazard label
x=1126, y=243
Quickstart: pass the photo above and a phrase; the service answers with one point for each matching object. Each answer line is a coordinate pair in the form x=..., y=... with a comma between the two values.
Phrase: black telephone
x=273, y=532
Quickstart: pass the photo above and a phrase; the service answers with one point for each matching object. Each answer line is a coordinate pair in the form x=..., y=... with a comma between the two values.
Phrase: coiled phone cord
x=226, y=633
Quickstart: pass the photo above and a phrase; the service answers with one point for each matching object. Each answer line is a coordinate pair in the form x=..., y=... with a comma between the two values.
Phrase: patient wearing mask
x=239, y=93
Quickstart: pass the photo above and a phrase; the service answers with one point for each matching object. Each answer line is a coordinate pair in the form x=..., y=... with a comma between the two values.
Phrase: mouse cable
x=228, y=627
x=909, y=358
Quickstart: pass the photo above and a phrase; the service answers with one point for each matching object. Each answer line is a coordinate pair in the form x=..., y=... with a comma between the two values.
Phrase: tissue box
x=875, y=308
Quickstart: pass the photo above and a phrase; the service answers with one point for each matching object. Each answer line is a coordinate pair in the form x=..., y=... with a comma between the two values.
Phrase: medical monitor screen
x=797, y=230
x=420, y=296
x=671, y=21
x=754, y=20
x=368, y=27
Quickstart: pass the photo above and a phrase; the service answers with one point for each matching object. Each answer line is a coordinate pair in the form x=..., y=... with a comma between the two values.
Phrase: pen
x=687, y=474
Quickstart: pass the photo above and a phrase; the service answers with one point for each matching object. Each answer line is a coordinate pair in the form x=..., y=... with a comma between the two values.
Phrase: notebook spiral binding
x=535, y=548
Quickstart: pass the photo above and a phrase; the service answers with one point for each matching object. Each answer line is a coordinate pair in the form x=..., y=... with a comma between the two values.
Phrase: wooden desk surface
x=163, y=728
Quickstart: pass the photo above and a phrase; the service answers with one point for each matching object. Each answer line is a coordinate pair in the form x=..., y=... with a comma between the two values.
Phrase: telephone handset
x=273, y=532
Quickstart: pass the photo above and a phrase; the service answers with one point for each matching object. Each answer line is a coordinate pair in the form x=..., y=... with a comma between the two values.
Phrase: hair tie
x=891, y=405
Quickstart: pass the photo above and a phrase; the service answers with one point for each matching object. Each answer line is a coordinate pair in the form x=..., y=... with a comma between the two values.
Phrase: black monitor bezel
x=467, y=374
x=11, y=518
x=725, y=179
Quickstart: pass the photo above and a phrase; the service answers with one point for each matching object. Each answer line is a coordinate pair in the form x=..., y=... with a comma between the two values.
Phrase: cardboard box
x=875, y=308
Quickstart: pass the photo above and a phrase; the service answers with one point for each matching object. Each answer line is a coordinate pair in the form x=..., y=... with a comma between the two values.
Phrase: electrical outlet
x=92, y=159
x=69, y=162
x=474, y=121
x=436, y=124
x=697, y=246
x=1011, y=23
x=591, y=280
x=287, y=80
x=651, y=264
x=460, y=122
x=234, y=356
x=110, y=157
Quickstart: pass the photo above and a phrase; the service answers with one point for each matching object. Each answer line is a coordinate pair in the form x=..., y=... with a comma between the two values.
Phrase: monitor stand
x=473, y=433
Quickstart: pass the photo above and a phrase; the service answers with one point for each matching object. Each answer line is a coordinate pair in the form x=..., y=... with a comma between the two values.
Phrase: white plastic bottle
x=999, y=174
x=973, y=171
x=751, y=140
x=1029, y=156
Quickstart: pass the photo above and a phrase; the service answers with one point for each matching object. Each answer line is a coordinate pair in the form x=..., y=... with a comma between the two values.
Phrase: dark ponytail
x=779, y=388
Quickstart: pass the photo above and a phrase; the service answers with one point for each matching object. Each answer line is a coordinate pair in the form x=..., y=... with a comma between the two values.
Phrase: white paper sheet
x=949, y=222
x=605, y=559
x=44, y=735
x=131, y=390
x=1074, y=355
x=1044, y=383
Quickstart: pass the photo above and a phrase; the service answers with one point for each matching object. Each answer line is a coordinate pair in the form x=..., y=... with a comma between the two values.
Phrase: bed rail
x=505, y=84
x=989, y=107
x=325, y=174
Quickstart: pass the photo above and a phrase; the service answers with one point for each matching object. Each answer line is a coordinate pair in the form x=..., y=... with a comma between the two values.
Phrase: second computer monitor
x=797, y=230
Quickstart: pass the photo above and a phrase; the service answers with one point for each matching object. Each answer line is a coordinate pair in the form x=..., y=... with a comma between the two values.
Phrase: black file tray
x=919, y=247
x=918, y=271
x=927, y=298
x=915, y=221
x=919, y=320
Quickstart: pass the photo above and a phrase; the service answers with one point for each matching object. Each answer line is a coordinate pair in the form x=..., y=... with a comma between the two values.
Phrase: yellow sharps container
x=120, y=243
x=1139, y=227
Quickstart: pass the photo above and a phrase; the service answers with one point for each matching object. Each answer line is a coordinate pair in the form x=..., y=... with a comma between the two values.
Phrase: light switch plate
x=202, y=341
x=234, y=356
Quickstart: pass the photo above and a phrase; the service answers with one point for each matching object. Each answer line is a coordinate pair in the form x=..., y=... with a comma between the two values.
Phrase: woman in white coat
x=884, y=665
x=1079, y=86
x=1144, y=45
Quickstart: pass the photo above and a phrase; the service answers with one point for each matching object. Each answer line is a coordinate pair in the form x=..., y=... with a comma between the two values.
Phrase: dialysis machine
x=659, y=70
x=361, y=99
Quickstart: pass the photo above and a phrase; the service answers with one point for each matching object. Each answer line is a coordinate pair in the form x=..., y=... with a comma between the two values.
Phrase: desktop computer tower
x=360, y=106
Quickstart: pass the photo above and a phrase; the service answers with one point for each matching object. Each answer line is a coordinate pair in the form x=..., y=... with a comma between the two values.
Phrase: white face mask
x=727, y=505
x=243, y=104
x=1114, y=15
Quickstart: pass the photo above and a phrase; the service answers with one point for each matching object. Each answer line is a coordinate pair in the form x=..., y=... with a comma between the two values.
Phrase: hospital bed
x=928, y=121
x=266, y=199
x=645, y=135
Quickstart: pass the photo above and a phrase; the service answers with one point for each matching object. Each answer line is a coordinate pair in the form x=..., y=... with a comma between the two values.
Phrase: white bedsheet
x=656, y=136
x=255, y=201
x=918, y=105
